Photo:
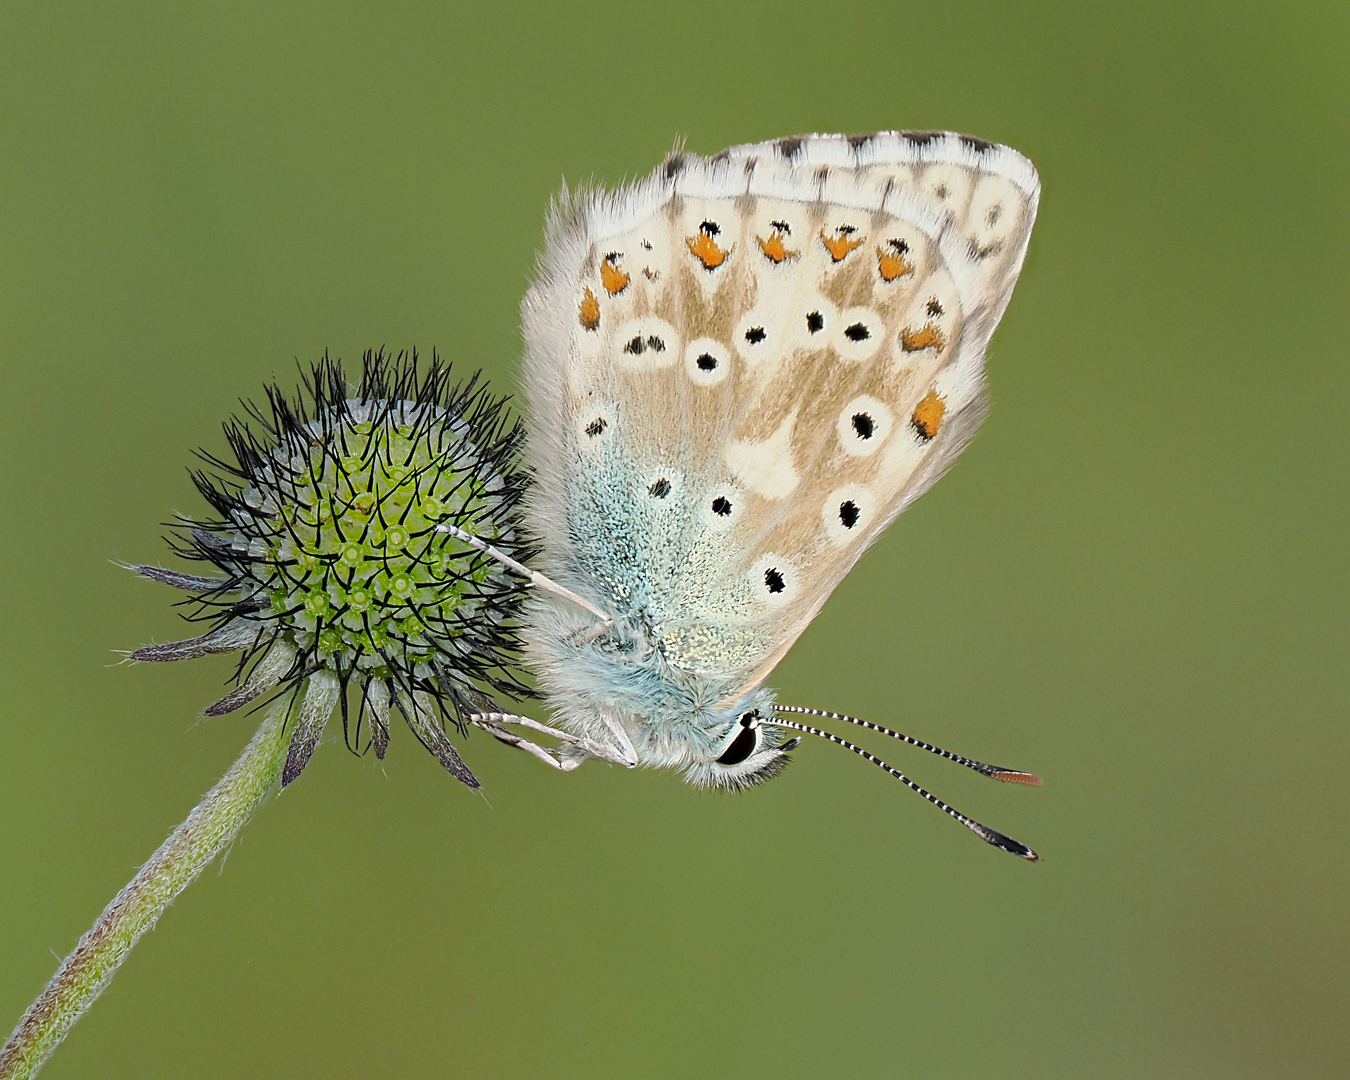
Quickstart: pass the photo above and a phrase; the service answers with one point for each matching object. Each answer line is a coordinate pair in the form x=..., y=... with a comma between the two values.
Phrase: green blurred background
x=1134, y=582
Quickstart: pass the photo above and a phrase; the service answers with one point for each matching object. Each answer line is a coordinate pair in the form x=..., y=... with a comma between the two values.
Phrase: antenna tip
x=1007, y=843
x=1016, y=776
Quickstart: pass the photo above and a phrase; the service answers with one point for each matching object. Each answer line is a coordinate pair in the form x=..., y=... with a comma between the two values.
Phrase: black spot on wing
x=980, y=146
x=859, y=141
x=674, y=166
x=789, y=148
x=921, y=138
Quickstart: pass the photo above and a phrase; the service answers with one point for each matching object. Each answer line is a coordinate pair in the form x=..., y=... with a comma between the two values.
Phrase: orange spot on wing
x=774, y=249
x=927, y=418
x=930, y=337
x=892, y=265
x=590, y=311
x=611, y=277
x=841, y=243
x=704, y=248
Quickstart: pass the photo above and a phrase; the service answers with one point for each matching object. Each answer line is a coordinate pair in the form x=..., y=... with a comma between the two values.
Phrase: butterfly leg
x=574, y=750
x=536, y=579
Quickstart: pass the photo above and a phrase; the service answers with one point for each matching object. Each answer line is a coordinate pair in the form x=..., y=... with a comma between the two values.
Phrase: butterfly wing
x=744, y=367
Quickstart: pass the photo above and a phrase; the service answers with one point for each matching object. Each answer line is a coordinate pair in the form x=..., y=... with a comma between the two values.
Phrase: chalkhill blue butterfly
x=739, y=371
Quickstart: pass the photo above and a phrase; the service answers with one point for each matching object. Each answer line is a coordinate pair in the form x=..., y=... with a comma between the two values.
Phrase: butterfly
x=739, y=371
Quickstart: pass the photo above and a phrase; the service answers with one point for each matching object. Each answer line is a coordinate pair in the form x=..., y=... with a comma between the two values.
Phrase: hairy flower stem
x=86, y=972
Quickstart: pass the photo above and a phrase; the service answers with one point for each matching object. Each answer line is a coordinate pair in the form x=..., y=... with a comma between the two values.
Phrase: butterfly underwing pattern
x=739, y=371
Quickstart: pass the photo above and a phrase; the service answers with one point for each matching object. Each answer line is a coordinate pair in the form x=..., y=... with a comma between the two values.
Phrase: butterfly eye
x=745, y=742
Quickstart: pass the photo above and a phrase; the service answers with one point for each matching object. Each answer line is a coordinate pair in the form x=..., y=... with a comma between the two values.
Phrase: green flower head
x=335, y=573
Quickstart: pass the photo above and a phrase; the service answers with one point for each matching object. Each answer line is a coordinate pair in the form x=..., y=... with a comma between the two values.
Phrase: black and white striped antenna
x=1014, y=776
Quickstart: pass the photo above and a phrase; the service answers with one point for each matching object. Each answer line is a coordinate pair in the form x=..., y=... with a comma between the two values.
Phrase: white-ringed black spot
x=934, y=308
x=863, y=425
x=721, y=506
x=857, y=332
x=773, y=580
x=815, y=322
x=782, y=227
x=706, y=362
x=660, y=489
x=656, y=344
x=942, y=191
x=709, y=228
x=849, y=513
x=596, y=426
x=755, y=335
x=636, y=346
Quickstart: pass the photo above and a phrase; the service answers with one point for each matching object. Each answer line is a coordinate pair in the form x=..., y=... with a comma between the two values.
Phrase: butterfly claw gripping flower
x=338, y=571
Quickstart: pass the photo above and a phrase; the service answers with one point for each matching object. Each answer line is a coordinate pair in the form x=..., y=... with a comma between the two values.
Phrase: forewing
x=743, y=368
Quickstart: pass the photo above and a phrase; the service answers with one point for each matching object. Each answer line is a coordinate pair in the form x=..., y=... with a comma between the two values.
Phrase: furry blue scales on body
x=739, y=371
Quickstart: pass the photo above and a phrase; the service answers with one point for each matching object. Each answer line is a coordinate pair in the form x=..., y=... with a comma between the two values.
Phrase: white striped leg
x=536, y=579
x=574, y=751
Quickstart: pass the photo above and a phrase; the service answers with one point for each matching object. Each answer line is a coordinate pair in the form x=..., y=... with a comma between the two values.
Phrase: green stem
x=86, y=972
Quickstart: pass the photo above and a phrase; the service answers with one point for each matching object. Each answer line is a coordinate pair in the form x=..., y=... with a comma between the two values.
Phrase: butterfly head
x=747, y=751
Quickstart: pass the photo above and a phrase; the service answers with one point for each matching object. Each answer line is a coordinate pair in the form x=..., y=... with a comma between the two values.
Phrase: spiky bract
x=336, y=575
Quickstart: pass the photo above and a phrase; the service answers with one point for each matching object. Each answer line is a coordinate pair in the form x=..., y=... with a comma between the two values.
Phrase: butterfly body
x=739, y=371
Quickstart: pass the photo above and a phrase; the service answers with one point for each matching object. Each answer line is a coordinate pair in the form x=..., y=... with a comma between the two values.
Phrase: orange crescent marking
x=930, y=337
x=774, y=249
x=611, y=277
x=704, y=248
x=840, y=245
x=892, y=266
x=927, y=418
x=590, y=311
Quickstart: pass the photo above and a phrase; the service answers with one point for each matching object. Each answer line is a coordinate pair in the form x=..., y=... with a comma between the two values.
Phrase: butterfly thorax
x=623, y=681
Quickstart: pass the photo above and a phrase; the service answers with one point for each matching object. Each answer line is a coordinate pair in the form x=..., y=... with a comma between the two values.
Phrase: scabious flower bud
x=335, y=575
